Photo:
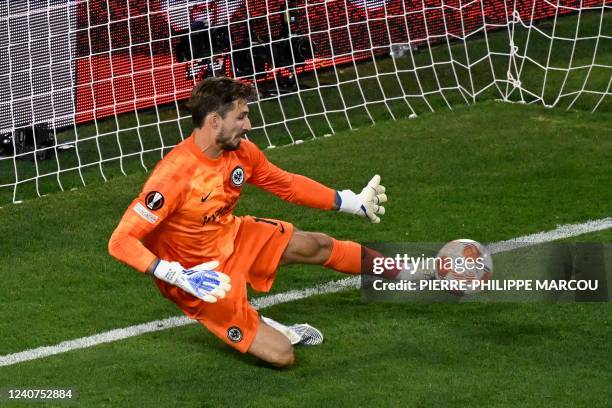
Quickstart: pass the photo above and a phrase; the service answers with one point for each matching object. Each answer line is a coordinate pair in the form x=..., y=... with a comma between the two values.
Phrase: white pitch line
x=561, y=232
x=177, y=321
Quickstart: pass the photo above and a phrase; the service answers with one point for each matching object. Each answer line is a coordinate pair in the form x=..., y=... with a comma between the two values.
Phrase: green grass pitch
x=489, y=171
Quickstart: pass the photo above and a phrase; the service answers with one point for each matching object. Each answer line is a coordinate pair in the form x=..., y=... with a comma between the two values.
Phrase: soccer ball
x=464, y=260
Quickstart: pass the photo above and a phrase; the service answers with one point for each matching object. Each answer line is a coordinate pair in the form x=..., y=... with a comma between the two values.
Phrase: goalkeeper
x=181, y=229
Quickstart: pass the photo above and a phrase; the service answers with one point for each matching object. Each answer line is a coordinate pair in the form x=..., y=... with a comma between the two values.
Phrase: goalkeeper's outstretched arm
x=302, y=190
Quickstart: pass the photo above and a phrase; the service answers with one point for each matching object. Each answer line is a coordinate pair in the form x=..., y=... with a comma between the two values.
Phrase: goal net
x=90, y=89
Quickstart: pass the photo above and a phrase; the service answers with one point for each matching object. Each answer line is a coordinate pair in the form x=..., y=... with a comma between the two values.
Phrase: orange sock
x=345, y=257
x=349, y=256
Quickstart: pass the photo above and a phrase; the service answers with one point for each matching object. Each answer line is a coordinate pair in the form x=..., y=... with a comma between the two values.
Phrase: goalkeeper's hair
x=217, y=94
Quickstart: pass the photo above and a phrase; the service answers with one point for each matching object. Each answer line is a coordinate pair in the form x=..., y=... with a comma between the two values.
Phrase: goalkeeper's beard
x=229, y=143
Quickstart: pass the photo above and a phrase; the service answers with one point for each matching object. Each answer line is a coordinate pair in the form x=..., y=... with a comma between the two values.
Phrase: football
x=464, y=260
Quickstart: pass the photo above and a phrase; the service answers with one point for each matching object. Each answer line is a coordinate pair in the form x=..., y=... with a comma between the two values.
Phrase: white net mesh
x=92, y=89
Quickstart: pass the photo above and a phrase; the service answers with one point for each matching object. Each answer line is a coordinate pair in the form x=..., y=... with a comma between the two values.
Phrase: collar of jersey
x=193, y=148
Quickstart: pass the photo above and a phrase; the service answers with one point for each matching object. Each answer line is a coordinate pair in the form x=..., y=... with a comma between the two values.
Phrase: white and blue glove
x=367, y=203
x=202, y=281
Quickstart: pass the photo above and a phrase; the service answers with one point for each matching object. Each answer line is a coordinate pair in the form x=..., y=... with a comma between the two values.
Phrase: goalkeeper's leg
x=271, y=346
x=343, y=256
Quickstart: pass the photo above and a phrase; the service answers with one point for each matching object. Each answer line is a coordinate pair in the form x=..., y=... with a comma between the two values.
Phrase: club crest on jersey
x=237, y=176
x=234, y=334
x=154, y=200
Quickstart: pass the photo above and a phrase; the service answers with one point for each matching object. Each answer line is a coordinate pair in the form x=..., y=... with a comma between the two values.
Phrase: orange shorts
x=258, y=248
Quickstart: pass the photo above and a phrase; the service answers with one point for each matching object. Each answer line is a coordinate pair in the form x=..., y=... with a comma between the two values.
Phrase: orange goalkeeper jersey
x=184, y=211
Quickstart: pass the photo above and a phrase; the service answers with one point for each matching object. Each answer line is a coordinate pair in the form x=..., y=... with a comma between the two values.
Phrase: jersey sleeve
x=161, y=195
x=291, y=187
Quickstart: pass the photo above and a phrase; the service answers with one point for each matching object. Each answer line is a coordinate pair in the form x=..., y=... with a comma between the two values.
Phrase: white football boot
x=303, y=333
x=309, y=336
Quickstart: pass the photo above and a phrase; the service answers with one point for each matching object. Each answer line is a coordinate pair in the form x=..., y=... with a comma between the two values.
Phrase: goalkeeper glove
x=202, y=281
x=367, y=203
